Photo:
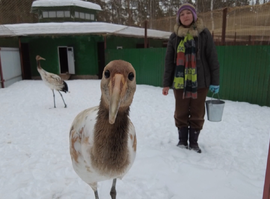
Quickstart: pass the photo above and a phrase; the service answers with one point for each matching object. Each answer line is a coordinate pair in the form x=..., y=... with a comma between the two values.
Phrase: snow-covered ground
x=35, y=161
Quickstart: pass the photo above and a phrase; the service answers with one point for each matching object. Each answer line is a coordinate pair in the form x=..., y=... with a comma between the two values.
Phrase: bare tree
x=16, y=11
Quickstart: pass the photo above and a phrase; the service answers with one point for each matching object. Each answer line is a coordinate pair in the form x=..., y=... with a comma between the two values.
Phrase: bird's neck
x=122, y=115
x=38, y=64
x=110, y=149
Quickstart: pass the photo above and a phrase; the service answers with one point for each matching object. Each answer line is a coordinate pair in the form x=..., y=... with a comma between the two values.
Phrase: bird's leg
x=94, y=187
x=113, y=190
x=96, y=195
x=53, y=98
x=63, y=99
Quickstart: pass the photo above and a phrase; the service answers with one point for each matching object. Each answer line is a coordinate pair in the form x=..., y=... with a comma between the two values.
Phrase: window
x=52, y=14
x=77, y=14
x=82, y=15
x=60, y=14
x=92, y=17
x=45, y=14
x=67, y=13
x=87, y=16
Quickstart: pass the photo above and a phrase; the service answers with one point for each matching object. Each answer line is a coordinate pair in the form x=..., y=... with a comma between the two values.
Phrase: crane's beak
x=118, y=89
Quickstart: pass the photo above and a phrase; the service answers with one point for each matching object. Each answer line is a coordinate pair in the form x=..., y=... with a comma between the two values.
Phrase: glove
x=214, y=89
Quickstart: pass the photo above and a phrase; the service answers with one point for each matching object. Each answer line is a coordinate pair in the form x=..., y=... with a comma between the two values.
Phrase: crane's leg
x=113, y=190
x=96, y=194
x=94, y=187
x=63, y=99
x=53, y=98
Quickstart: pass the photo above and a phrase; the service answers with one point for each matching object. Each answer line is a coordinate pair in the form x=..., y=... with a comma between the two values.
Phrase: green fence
x=245, y=73
x=244, y=70
x=148, y=63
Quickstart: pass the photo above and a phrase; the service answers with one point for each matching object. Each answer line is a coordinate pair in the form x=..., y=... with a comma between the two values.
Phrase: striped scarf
x=185, y=76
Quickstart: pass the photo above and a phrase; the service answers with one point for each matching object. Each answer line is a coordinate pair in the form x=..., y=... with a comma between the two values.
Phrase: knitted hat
x=186, y=6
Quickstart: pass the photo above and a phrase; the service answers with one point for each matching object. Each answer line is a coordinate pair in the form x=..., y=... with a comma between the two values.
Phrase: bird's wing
x=53, y=81
x=132, y=143
x=81, y=142
x=49, y=77
x=52, y=76
x=81, y=133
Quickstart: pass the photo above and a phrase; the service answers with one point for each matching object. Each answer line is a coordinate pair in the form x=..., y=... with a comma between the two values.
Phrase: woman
x=191, y=69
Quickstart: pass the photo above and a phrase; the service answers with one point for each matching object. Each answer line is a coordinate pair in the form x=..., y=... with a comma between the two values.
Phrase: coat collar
x=195, y=29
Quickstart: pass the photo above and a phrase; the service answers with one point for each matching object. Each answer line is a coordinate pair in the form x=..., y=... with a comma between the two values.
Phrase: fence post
x=224, y=20
x=266, y=191
x=249, y=39
x=1, y=74
x=21, y=58
x=145, y=34
x=105, y=42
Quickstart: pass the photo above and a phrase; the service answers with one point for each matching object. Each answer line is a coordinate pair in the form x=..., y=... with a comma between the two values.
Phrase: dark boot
x=183, y=137
x=193, y=140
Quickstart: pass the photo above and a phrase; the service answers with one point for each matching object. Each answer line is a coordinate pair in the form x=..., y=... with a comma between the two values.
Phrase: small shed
x=72, y=42
x=74, y=49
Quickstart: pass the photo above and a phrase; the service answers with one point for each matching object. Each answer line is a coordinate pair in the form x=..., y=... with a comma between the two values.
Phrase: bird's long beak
x=42, y=58
x=117, y=91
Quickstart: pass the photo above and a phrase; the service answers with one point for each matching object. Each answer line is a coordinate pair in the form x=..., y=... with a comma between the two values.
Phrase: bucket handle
x=213, y=96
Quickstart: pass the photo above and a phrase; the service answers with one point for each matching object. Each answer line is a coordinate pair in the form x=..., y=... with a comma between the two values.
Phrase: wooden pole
x=224, y=20
x=21, y=58
x=105, y=42
x=249, y=39
x=266, y=191
x=145, y=34
x=1, y=74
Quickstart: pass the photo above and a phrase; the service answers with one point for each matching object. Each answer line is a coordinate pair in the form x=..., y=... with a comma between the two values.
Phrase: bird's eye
x=107, y=73
x=131, y=76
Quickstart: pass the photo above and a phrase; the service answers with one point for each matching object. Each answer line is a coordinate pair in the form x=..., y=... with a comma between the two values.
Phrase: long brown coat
x=207, y=60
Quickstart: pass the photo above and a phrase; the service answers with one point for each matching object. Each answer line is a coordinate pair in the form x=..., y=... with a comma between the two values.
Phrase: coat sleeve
x=169, y=62
x=212, y=59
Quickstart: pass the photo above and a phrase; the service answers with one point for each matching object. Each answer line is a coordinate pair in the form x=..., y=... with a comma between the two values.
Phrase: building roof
x=60, y=3
x=78, y=28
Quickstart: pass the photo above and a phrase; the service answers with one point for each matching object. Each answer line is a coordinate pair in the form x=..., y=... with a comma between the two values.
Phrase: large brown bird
x=102, y=138
x=53, y=81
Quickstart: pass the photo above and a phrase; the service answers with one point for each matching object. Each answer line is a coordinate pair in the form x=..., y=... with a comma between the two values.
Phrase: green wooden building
x=73, y=44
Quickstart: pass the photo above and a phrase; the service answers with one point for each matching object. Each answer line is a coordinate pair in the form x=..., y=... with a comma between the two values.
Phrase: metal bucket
x=214, y=109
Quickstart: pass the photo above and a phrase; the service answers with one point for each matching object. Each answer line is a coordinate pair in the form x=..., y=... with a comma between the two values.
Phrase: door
x=70, y=56
x=66, y=59
x=26, y=61
x=101, y=58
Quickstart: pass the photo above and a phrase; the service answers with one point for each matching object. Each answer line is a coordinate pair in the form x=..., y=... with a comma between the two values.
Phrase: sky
x=36, y=164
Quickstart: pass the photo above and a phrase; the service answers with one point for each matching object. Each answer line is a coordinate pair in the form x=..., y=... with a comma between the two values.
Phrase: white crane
x=102, y=138
x=53, y=81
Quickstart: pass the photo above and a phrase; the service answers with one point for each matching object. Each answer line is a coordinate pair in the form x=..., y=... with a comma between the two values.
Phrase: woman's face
x=186, y=17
